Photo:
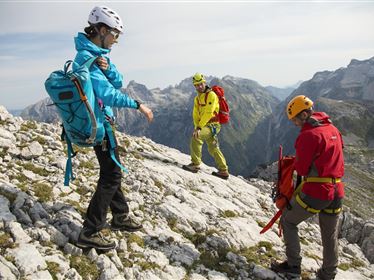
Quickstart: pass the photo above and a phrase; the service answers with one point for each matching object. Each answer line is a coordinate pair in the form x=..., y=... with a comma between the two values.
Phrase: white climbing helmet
x=106, y=15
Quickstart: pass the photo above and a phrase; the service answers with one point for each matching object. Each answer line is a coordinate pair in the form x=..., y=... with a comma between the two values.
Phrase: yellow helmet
x=198, y=78
x=297, y=105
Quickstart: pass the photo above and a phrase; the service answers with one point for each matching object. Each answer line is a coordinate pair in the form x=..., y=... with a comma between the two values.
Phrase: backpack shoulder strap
x=112, y=145
x=207, y=94
x=69, y=167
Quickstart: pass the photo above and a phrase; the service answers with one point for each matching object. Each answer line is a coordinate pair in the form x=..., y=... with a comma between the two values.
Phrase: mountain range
x=249, y=103
x=195, y=226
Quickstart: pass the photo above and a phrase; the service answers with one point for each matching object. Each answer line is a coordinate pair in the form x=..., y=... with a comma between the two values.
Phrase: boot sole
x=220, y=176
x=126, y=229
x=187, y=169
x=86, y=246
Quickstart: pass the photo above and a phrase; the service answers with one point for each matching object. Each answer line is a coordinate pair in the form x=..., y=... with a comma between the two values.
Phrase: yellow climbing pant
x=207, y=136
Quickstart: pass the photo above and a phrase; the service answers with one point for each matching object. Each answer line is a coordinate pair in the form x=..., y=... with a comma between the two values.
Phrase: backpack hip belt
x=317, y=180
x=315, y=211
x=322, y=180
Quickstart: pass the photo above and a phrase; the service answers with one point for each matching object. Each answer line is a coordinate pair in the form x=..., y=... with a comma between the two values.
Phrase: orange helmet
x=298, y=104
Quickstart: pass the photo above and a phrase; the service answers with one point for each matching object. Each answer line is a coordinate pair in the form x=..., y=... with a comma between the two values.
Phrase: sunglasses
x=114, y=33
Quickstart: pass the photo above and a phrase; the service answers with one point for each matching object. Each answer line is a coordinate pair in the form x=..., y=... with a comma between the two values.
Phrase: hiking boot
x=321, y=276
x=291, y=272
x=191, y=167
x=95, y=240
x=223, y=174
x=124, y=222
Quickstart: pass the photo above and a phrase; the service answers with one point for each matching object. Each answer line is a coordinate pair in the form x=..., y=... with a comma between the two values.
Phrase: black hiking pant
x=108, y=192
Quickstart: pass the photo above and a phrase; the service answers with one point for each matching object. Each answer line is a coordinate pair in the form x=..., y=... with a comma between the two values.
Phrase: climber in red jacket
x=320, y=162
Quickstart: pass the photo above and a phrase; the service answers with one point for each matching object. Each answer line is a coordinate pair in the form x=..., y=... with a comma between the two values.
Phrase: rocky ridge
x=196, y=226
x=172, y=108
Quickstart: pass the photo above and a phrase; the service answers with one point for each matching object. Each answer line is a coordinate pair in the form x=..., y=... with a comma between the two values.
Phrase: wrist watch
x=137, y=104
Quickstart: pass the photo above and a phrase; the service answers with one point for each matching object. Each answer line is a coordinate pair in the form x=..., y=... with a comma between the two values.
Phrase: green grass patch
x=260, y=223
x=81, y=150
x=355, y=263
x=312, y=256
x=40, y=139
x=133, y=238
x=77, y=206
x=303, y=240
x=21, y=178
x=3, y=152
x=256, y=255
x=87, y=164
x=35, y=169
x=28, y=125
x=54, y=269
x=216, y=260
x=138, y=156
x=23, y=186
x=228, y=214
x=199, y=238
x=4, y=122
x=6, y=242
x=43, y=191
x=172, y=223
x=159, y=185
x=196, y=239
x=344, y=266
x=124, y=260
x=148, y=265
x=85, y=268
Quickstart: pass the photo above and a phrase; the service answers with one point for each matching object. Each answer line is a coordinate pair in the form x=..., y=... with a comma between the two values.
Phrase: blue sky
x=273, y=43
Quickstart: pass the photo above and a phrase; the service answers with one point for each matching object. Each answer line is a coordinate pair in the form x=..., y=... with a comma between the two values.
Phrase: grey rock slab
x=72, y=274
x=70, y=249
x=27, y=258
x=5, y=214
x=195, y=276
x=6, y=273
x=184, y=253
x=42, y=275
x=108, y=269
x=17, y=232
x=215, y=275
x=5, y=134
x=156, y=257
x=32, y=151
x=63, y=263
x=57, y=237
x=263, y=273
x=8, y=270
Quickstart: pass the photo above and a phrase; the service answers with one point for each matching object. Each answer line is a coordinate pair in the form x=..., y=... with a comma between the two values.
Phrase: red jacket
x=319, y=153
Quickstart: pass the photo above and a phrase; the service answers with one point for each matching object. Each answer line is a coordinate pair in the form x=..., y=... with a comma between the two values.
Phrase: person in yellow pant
x=206, y=128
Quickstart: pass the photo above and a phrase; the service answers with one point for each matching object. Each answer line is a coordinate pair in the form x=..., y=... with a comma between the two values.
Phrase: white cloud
x=273, y=43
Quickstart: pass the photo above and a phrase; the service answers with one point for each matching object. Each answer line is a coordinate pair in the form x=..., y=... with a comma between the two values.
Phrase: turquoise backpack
x=72, y=93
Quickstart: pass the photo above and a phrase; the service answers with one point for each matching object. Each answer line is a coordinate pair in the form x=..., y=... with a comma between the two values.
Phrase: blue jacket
x=106, y=83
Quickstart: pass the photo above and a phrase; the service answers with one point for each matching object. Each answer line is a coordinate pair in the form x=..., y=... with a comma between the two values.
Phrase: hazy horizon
x=273, y=43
